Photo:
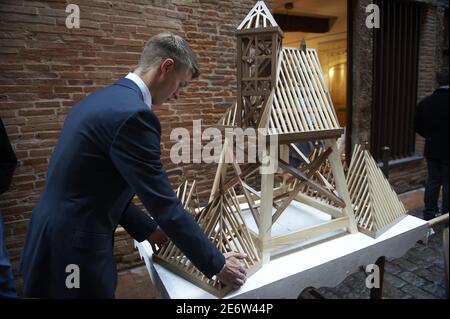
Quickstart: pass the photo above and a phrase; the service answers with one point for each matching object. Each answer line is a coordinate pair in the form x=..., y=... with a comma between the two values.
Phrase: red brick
x=68, y=89
x=23, y=178
x=25, y=186
x=46, y=68
x=41, y=127
x=13, y=121
x=47, y=135
x=17, y=9
x=47, y=104
x=32, y=19
x=34, y=112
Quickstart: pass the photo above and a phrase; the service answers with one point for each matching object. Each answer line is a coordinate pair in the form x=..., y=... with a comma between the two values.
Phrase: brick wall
x=45, y=68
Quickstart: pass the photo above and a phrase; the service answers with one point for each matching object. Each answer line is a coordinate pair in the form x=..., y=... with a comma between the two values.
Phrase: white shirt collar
x=142, y=86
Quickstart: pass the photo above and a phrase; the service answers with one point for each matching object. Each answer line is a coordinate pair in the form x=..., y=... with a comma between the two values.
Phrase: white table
x=322, y=265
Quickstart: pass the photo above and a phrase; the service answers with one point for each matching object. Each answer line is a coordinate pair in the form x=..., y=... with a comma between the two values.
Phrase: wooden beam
x=301, y=23
x=318, y=204
x=324, y=192
x=341, y=183
x=259, y=31
x=287, y=138
x=265, y=214
x=308, y=233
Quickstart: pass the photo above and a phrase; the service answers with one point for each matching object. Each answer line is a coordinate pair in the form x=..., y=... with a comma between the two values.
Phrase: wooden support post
x=284, y=152
x=265, y=218
x=377, y=293
x=221, y=170
x=386, y=151
x=284, y=155
x=341, y=184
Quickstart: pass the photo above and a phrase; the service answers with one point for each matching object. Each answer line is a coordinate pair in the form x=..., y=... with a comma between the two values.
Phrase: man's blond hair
x=169, y=45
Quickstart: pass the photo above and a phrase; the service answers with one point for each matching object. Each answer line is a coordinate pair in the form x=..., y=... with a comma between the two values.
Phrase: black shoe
x=427, y=215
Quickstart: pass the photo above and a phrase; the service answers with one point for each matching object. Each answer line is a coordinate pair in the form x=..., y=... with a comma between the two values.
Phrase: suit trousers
x=437, y=178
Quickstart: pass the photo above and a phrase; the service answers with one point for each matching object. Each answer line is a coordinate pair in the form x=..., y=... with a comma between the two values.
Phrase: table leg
x=313, y=292
x=376, y=293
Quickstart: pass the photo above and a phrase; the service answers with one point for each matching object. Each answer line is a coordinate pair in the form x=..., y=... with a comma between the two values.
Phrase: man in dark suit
x=109, y=150
x=431, y=122
x=8, y=163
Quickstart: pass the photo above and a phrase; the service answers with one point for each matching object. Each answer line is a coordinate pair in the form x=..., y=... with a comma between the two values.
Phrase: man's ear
x=166, y=65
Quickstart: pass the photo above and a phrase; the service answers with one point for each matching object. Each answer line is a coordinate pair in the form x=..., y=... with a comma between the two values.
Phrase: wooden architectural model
x=375, y=203
x=222, y=222
x=282, y=93
x=187, y=193
x=295, y=107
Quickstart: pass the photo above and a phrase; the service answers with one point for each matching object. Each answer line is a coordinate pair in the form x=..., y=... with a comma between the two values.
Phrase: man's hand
x=157, y=239
x=233, y=273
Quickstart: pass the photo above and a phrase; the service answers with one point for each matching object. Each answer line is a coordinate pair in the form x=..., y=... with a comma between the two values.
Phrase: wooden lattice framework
x=222, y=221
x=301, y=106
x=298, y=107
x=375, y=203
x=258, y=45
x=187, y=193
x=310, y=184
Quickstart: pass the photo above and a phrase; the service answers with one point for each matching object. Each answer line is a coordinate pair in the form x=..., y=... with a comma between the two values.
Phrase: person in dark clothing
x=8, y=163
x=431, y=122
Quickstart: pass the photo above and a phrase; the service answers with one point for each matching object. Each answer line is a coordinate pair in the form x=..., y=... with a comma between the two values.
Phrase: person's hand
x=233, y=273
x=157, y=239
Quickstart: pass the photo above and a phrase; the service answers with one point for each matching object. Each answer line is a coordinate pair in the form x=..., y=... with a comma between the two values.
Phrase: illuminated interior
x=323, y=26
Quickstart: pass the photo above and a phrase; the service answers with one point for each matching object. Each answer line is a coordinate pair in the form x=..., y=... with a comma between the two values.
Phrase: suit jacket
x=431, y=122
x=108, y=150
x=8, y=160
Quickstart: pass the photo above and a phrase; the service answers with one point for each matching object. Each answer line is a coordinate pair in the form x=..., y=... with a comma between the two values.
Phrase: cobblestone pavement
x=419, y=274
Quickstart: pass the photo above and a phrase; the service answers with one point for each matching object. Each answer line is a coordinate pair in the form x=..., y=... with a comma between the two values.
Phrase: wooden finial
x=365, y=145
x=303, y=44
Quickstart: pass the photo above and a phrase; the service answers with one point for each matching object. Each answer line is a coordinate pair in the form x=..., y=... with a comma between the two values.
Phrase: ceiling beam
x=298, y=23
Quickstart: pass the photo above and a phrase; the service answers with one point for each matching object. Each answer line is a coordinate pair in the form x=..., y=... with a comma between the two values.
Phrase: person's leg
x=432, y=189
x=7, y=285
x=445, y=176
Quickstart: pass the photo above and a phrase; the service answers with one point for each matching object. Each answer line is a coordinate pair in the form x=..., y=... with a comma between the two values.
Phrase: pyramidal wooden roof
x=300, y=101
x=375, y=203
x=223, y=223
x=258, y=17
